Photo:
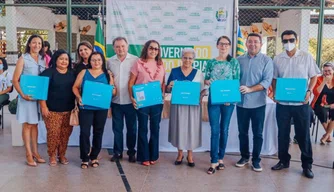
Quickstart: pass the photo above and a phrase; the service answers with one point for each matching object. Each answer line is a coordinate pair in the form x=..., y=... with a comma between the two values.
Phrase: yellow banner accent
x=203, y=52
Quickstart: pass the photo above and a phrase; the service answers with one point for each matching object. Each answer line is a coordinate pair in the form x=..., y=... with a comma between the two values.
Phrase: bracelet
x=308, y=91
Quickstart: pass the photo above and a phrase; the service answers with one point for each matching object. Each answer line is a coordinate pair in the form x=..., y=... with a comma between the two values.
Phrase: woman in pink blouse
x=148, y=68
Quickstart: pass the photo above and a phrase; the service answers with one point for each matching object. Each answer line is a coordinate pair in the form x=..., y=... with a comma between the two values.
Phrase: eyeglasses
x=153, y=48
x=224, y=44
x=288, y=40
x=187, y=58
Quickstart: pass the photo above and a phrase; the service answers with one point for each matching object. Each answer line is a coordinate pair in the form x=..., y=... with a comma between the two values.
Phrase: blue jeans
x=256, y=115
x=219, y=130
x=118, y=114
x=148, y=150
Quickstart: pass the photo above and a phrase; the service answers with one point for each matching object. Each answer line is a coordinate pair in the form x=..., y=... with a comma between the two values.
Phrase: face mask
x=1, y=66
x=289, y=46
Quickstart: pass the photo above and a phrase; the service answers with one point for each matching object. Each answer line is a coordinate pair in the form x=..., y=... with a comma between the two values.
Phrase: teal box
x=290, y=89
x=225, y=91
x=35, y=86
x=147, y=94
x=186, y=93
x=97, y=94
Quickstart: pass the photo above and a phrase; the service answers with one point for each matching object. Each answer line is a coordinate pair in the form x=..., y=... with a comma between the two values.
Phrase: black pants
x=97, y=119
x=301, y=117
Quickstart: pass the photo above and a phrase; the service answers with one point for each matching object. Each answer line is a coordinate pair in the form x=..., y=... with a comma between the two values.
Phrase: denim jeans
x=148, y=150
x=219, y=130
x=256, y=116
x=118, y=114
x=301, y=118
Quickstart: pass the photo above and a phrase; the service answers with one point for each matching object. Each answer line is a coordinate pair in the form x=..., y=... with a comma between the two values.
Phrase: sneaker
x=116, y=157
x=257, y=167
x=242, y=162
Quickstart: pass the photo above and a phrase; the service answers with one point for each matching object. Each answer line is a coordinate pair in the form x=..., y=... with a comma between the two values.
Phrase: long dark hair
x=84, y=43
x=58, y=53
x=48, y=51
x=229, y=57
x=143, y=55
x=104, y=68
x=4, y=62
x=27, y=50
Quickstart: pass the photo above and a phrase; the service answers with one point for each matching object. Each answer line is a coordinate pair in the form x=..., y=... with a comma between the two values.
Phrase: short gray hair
x=188, y=50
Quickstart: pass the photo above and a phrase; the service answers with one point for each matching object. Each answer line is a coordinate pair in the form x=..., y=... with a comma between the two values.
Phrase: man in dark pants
x=121, y=106
x=256, y=73
x=294, y=63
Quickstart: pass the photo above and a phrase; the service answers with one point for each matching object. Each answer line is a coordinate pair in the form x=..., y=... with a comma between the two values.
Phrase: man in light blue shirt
x=256, y=73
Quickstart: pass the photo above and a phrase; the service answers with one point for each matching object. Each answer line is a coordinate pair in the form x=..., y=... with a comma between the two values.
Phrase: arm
x=163, y=87
x=77, y=86
x=208, y=73
x=111, y=82
x=44, y=108
x=16, y=79
x=311, y=85
x=132, y=81
x=170, y=82
x=6, y=90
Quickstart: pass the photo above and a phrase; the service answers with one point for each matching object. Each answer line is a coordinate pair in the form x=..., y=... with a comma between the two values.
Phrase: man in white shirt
x=294, y=63
x=120, y=65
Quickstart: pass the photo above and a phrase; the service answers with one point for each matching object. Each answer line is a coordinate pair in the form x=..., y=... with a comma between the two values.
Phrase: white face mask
x=289, y=46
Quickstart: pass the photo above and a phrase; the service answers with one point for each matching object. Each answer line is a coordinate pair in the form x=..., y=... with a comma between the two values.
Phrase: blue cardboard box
x=97, y=94
x=186, y=93
x=35, y=86
x=147, y=94
x=290, y=89
x=225, y=91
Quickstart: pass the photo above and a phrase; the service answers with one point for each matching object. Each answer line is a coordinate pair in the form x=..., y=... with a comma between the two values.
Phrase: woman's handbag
x=74, y=118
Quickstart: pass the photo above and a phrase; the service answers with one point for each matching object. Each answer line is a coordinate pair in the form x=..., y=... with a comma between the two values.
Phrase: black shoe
x=132, y=158
x=190, y=164
x=280, y=166
x=178, y=162
x=116, y=158
x=308, y=173
x=242, y=162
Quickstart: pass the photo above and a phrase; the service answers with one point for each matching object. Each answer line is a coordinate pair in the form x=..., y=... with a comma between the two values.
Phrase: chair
x=1, y=108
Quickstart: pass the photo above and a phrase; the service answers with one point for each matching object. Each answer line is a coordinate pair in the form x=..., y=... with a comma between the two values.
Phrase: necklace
x=149, y=72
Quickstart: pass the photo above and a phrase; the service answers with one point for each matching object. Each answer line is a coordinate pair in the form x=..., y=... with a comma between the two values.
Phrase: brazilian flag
x=99, y=38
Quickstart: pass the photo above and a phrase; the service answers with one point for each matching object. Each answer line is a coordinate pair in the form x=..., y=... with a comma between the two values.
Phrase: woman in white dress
x=185, y=121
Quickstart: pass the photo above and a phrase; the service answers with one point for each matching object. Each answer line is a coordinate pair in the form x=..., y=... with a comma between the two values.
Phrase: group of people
x=255, y=71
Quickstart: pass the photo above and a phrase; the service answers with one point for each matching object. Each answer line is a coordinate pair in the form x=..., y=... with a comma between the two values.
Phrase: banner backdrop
x=174, y=24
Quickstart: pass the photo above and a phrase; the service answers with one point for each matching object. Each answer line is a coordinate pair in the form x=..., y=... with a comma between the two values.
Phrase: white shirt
x=121, y=72
x=301, y=65
x=6, y=80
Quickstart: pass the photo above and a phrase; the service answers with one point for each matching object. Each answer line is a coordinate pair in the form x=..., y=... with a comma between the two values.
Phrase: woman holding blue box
x=56, y=110
x=223, y=67
x=185, y=121
x=148, y=68
x=90, y=115
x=30, y=63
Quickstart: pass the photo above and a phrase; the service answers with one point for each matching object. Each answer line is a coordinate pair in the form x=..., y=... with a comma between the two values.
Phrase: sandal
x=84, y=165
x=153, y=162
x=63, y=160
x=95, y=163
x=211, y=171
x=220, y=166
x=146, y=163
x=52, y=161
